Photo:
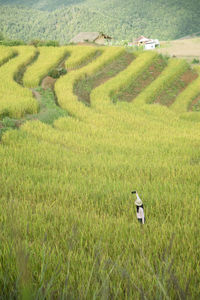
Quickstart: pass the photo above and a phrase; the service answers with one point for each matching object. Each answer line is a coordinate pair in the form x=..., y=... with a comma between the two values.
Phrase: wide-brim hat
x=138, y=202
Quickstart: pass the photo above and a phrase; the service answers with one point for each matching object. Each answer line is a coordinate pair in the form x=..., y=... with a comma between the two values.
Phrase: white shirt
x=140, y=214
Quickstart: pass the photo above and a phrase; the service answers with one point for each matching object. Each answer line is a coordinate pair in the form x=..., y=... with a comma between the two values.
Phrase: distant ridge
x=191, y=36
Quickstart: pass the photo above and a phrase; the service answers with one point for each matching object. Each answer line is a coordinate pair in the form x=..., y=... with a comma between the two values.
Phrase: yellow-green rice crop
x=49, y=57
x=5, y=54
x=80, y=54
x=100, y=97
x=65, y=201
x=175, y=68
x=191, y=116
x=68, y=226
x=64, y=86
x=15, y=100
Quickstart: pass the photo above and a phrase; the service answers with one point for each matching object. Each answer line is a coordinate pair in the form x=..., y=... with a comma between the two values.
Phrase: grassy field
x=68, y=224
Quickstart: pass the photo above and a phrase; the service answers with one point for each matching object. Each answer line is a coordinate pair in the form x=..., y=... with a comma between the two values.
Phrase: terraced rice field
x=68, y=226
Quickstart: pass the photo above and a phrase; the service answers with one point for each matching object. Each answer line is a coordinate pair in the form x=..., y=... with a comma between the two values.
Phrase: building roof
x=88, y=37
x=150, y=42
x=142, y=39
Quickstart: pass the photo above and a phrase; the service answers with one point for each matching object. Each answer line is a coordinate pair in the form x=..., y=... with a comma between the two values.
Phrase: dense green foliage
x=61, y=20
x=42, y=5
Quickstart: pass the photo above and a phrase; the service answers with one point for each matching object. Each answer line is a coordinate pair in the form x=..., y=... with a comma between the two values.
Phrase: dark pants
x=140, y=220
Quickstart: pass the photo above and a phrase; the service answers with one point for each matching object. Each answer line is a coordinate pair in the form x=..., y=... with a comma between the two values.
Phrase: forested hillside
x=126, y=19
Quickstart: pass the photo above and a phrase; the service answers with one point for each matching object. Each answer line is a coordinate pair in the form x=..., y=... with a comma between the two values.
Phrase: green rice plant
x=6, y=53
x=15, y=101
x=56, y=73
x=49, y=58
x=101, y=96
x=195, y=61
x=175, y=68
x=7, y=122
x=65, y=85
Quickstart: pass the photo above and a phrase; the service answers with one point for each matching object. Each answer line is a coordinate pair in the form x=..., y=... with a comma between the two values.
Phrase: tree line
x=160, y=19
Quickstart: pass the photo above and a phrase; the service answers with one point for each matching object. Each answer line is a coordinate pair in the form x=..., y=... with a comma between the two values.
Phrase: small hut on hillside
x=148, y=44
x=142, y=40
x=91, y=37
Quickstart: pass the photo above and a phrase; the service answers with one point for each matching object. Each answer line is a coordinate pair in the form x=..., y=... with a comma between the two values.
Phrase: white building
x=150, y=46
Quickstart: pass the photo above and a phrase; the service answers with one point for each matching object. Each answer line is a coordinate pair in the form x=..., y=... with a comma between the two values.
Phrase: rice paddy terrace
x=113, y=121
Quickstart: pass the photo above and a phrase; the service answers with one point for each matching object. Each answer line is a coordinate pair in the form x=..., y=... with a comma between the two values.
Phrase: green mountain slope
x=61, y=20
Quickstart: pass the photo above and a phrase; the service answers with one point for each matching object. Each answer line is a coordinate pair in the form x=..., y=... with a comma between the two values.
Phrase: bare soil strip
x=36, y=94
x=84, y=87
x=136, y=87
x=169, y=95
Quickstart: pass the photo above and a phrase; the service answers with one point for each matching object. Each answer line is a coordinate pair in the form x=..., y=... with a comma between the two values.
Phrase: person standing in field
x=139, y=208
